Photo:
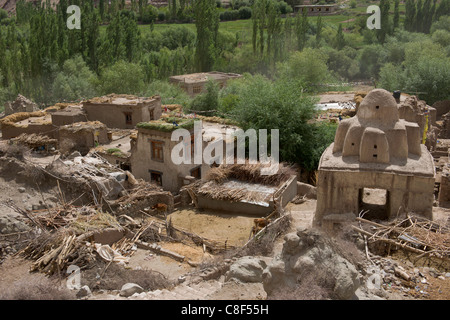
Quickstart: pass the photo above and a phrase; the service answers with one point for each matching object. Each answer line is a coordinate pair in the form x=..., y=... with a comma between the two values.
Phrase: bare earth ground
x=235, y=229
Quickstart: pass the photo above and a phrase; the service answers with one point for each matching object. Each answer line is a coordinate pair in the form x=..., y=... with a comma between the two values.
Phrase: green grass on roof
x=167, y=125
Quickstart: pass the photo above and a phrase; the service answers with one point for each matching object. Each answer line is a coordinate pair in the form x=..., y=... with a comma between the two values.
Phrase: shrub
x=208, y=101
x=149, y=14
x=284, y=7
x=245, y=13
x=161, y=16
x=229, y=15
x=122, y=77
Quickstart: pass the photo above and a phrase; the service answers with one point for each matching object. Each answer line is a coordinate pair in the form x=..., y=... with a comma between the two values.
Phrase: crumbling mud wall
x=21, y=104
x=11, y=127
x=82, y=136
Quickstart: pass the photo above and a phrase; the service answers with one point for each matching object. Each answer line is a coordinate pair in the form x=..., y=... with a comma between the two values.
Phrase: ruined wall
x=444, y=189
x=10, y=131
x=81, y=140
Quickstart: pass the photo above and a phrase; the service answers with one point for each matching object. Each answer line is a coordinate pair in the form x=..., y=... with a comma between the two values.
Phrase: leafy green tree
x=259, y=17
x=385, y=25
x=274, y=29
x=122, y=77
x=428, y=14
x=343, y=63
x=149, y=14
x=265, y=104
x=308, y=68
x=418, y=21
x=206, y=103
x=169, y=93
x=340, y=40
x=442, y=10
x=410, y=14
x=396, y=14
x=301, y=27
x=74, y=82
x=207, y=25
x=319, y=27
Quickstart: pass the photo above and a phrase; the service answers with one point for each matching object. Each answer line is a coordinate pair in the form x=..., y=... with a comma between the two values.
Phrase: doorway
x=375, y=202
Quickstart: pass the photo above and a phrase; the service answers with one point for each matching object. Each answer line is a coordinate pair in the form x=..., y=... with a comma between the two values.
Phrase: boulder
x=247, y=269
x=304, y=189
x=85, y=291
x=309, y=252
x=128, y=289
x=21, y=104
x=9, y=224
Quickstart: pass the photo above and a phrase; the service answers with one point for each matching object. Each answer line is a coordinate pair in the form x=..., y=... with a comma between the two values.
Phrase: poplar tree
x=301, y=28
x=410, y=15
x=319, y=27
x=207, y=25
x=340, y=40
x=396, y=13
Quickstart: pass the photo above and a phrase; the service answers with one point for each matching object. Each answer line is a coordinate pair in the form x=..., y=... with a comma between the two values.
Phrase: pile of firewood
x=416, y=235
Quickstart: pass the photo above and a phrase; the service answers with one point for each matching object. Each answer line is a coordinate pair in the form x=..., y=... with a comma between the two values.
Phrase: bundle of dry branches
x=414, y=234
x=250, y=173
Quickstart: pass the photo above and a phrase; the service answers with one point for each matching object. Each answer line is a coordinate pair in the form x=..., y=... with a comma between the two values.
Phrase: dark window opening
x=196, y=173
x=125, y=167
x=377, y=107
x=353, y=143
x=374, y=203
x=374, y=155
x=374, y=146
x=156, y=177
x=128, y=118
x=152, y=115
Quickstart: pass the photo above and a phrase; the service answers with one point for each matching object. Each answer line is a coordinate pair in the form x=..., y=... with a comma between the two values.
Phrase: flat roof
x=314, y=5
x=205, y=76
x=43, y=120
x=415, y=165
x=114, y=99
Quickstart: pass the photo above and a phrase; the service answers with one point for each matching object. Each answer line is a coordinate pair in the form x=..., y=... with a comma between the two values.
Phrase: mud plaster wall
x=114, y=116
x=62, y=119
x=234, y=207
x=142, y=162
x=50, y=130
x=81, y=141
x=444, y=189
x=138, y=205
x=287, y=192
x=338, y=192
